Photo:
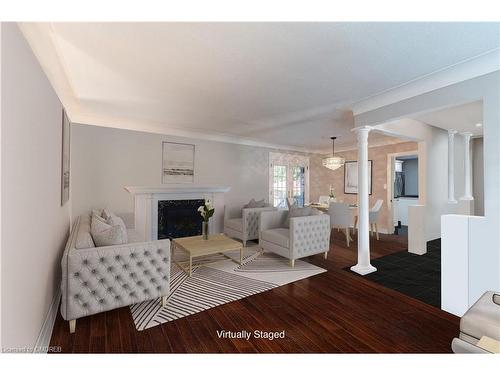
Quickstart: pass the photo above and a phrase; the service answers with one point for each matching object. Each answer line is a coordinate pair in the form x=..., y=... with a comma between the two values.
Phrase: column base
x=452, y=201
x=465, y=198
x=363, y=270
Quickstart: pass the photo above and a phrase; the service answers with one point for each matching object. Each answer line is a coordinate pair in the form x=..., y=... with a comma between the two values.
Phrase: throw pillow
x=250, y=204
x=260, y=204
x=107, y=213
x=496, y=298
x=297, y=212
x=109, y=237
x=97, y=212
x=104, y=234
x=97, y=221
x=256, y=204
x=116, y=220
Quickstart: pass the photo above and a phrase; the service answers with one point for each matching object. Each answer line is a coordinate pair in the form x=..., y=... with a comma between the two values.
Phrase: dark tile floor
x=417, y=276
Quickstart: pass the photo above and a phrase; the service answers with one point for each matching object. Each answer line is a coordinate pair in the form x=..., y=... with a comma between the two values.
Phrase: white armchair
x=340, y=218
x=305, y=236
x=243, y=224
x=373, y=216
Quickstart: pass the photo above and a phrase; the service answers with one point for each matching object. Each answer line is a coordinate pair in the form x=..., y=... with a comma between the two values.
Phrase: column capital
x=452, y=132
x=466, y=134
x=362, y=129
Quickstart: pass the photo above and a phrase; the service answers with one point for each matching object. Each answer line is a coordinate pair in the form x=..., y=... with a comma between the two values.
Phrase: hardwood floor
x=334, y=312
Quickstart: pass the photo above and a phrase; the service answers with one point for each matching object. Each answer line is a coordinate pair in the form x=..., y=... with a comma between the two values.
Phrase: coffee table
x=489, y=344
x=196, y=246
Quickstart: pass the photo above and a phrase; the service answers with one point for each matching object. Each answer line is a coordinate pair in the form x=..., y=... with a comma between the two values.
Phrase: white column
x=363, y=266
x=451, y=166
x=467, y=169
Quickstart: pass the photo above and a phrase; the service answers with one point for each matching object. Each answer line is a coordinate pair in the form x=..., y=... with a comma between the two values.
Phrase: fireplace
x=179, y=218
x=147, y=211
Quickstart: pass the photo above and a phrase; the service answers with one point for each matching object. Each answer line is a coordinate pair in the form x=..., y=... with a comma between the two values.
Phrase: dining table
x=352, y=207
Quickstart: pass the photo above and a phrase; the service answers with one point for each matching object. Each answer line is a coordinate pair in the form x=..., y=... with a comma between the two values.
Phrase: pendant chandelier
x=333, y=162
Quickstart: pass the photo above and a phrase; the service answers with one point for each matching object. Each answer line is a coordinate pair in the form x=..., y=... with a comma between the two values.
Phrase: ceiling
x=462, y=118
x=289, y=84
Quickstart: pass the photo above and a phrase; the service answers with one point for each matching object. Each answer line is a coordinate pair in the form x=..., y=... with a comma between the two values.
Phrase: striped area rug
x=217, y=280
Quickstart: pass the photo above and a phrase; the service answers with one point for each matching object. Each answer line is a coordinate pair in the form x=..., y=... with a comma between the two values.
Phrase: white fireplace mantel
x=180, y=189
x=146, y=200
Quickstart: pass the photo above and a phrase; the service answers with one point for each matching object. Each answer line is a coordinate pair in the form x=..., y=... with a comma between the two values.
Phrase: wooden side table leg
x=241, y=256
x=190, y=265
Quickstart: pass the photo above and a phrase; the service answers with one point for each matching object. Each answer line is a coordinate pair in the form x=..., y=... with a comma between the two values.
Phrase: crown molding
x=485, y=63
x=42, y=41
x=159, y=128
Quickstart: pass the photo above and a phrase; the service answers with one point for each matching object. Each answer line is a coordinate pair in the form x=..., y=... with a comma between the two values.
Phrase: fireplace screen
x=179, y=218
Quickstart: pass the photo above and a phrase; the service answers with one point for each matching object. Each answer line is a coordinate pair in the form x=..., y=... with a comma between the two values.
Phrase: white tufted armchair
x=97, y=279
x=243, y=224
x=306, y=235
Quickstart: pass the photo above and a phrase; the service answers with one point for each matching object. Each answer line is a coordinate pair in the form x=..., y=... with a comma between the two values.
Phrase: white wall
x=483, y=235
x=104, y=160
x=34, y=225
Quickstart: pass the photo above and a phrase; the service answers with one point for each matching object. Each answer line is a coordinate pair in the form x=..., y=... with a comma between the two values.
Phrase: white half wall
x=34, y=225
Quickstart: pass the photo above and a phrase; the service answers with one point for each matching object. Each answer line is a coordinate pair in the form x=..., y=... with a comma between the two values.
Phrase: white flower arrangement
x=207, y=210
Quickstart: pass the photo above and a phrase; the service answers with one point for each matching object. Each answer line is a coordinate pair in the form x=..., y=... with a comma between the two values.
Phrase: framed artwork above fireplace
x=177, y=163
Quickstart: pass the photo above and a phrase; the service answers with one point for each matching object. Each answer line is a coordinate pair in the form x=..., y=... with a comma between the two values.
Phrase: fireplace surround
x=147, y=203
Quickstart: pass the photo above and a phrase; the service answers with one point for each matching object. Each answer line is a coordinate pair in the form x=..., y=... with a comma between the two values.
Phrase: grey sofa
x=97, y=279
x=305, y=236
x=482, y=319
x=243, y=224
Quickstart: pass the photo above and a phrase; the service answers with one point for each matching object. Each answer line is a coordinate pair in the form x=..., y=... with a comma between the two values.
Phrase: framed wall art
x=351, y=177
x=177, y=163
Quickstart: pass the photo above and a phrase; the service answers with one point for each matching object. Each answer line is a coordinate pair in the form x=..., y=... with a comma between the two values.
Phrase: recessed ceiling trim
x=474, y=67
x=151, y=127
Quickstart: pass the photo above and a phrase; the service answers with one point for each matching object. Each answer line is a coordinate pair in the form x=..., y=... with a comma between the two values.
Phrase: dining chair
x=340, y=218
x=373, y=216
x=324, y=199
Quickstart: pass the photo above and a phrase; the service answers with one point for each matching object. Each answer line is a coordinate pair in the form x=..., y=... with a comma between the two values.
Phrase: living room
x=245, y=196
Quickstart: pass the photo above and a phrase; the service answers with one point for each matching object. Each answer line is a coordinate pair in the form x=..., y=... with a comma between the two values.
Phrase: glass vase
x=205, y=230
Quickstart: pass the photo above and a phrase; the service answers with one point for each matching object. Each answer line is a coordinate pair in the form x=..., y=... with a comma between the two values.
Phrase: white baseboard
x=43, y=340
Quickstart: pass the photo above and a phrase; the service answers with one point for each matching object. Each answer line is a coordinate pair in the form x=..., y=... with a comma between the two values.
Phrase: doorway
x=402, y=189
x=288, y=179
